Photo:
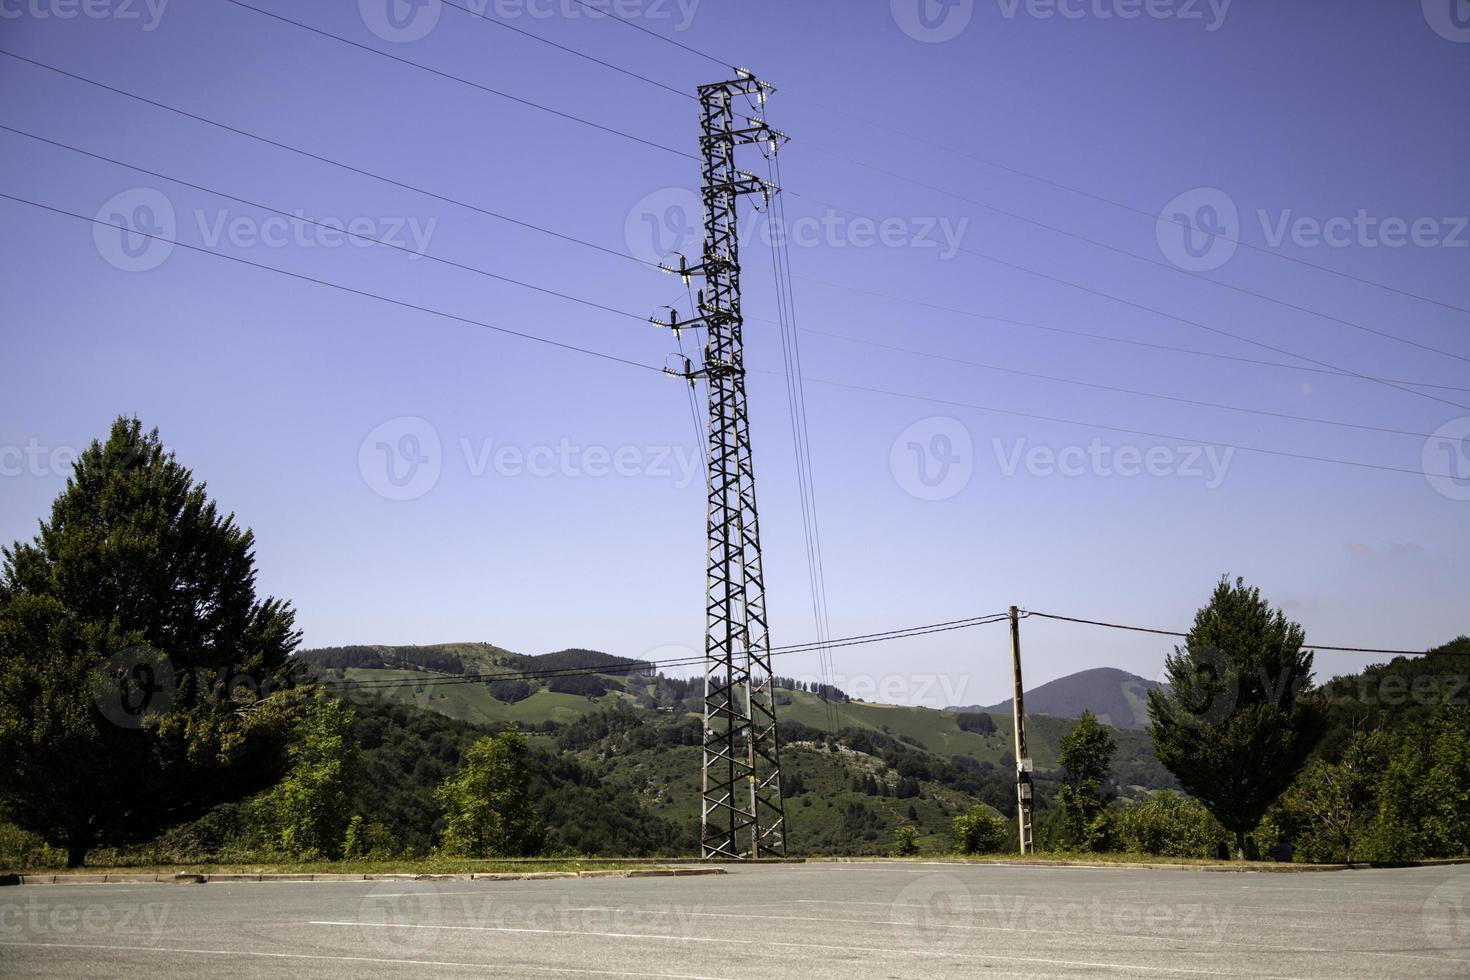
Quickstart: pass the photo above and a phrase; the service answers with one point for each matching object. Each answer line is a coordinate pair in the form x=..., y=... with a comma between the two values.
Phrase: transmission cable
x=1145, y=629
x=800, y=440
x=1137, y=432
x=1109, y=338
x=1121, y=390
x=810, y=647
x=867, y=120
x=1167, y=266
x=1150, y=309
x=1330, y=368
x=466, y=81
x=334, y=285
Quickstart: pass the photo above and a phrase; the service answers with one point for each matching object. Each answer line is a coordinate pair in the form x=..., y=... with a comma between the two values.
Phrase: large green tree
x=1086, y=759
x=1237, y=722
x=487, y=805
x=134, y=654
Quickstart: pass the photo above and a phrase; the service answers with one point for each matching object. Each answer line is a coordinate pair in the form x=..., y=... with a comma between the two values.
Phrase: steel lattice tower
x=743, y=814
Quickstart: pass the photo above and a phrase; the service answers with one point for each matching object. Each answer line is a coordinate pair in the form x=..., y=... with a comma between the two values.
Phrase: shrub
x=1168, y=824
x=906, y=841
x=981, y=831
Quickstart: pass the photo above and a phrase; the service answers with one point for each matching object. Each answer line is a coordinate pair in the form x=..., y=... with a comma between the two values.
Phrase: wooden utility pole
x=1023, y=759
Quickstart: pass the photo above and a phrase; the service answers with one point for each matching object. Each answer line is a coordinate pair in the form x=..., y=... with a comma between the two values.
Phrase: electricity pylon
x=743, y=814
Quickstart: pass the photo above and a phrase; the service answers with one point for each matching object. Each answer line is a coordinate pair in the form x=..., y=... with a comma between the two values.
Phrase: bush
x=906, y=841
x=981, y=831
x=1170, y=825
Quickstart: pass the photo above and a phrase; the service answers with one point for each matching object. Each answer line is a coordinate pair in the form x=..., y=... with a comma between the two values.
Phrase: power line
x=667, y=40
x=634, y=316
x=1168, y=266
x=572, y=51
x=1121, y=390
x=327, y=160
x=466, y=81
x=1324, y=369
x=861, y=639
x=1145, y=629
x=1137, y=432
x=521, y=223
x=1150, y=309
x=803, y=460
x=347, y=289
x=1153, y=217
x=669, y=149
x=867, y=120
x=345, y=232
x=1108, y=338
x=800, y=436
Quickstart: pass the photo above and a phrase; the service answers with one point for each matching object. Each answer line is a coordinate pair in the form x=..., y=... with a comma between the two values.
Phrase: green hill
x=853, y=770
x=1116, y=697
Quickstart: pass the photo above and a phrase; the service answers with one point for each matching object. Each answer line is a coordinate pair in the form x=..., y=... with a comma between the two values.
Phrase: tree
x=312, y=805
x=1235, y=726
x=138, y=670
x=1086, y=758
x=1331, y=807
x=1424, y=793
x=487, y=804
x=906, y=841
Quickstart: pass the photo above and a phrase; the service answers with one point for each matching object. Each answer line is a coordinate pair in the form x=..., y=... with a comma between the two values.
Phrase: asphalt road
x=792, y=921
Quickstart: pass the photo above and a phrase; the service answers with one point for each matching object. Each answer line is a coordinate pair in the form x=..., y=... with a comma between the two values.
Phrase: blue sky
x=558, y=500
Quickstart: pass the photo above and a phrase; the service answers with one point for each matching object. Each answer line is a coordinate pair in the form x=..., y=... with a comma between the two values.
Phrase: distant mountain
x=1117, y=697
